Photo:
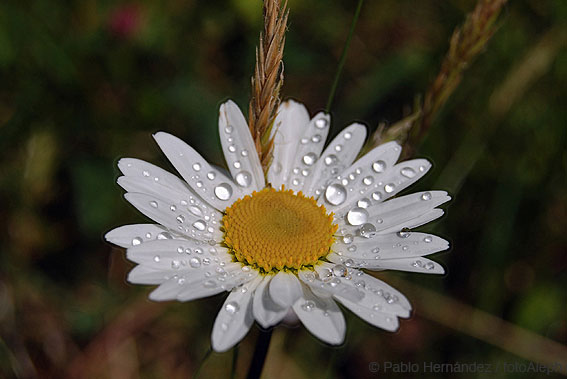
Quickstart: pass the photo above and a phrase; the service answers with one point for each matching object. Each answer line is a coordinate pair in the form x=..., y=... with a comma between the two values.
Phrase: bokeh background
x=84, y=83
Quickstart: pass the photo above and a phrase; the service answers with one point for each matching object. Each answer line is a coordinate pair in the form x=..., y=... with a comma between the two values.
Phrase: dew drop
x=389, y=188
x=232, y=307
x=336, y=194
x=348, y=135
x=243, y=179
x=368, y=230
x=377, y=196
x=209, y=284
x=304, y=141
x=164, y=236
x=321, y=123
x=408, y=172
x=404, y=233
x=379, y=166
x=175, y=264
x=352, y=248
x=228, y=129
x=199, y=225
x=223, y=191
x=429, y=266
x=157, y=258
x=231, y=148
x=340, y=270
x=426, y=196
x=309, y=159
x=236, y=164
x=427, y=239
x=308, y=306
x=136, y=241
x=316, y=138
x=363, y=203
x=154, y=204
x=347, y=239
x=211, y=175
x=195, y=210
x=244, y=153
x=195, y=262
x=180, y=219
x=357, y=216
x=330, y=159
x=338, y=147
x=368, y=180
x=196, y=167
x=417, y=264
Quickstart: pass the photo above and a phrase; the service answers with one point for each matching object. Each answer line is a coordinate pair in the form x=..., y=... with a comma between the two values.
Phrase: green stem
x=205, y=357
x=343, y=56
x=234, y=361
x=260, y=353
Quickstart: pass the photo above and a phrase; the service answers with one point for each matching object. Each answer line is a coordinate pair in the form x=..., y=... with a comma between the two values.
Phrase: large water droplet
x=379, y=166
x=196, y=167
x=195, y=262
x=330, y=159
x=336, y=194
x=368, y=180
x=199, y=225
x=146, y=173
x=357, y=216
x=136, y=241
x=308, y=306
x=426, y=196
x=363, y=203
x=211, y=175
x=243, y=178
x=348, y=239
x=223, y=191
x=321, y=123
x=340, y=270
x=404, y=233
x=309, y=158
x=368, y=230
x=389, y=188
x=195, y=210
x=231, y=307
x=408, y=172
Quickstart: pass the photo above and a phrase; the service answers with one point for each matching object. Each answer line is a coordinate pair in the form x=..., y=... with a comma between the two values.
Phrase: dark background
x=84, y=83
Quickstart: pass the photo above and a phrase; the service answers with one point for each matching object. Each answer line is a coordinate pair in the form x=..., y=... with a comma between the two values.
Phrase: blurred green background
x=84, y=83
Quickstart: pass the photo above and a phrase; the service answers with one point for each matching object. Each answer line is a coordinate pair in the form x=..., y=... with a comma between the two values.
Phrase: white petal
x=284, y=289
x=398, y=213
x=288, y=128
x=328, y=288
x=146, y=275
x=180, y=219
x=239, y=149
x=391, y=246
x=136, y=234
x=322, y=317
x=212, y=185
x=177, y=254
x=266, y=311
x=415, y=264
x=234, y=319
x=138, y=168
x=338, y=155
x=309, y=149
x=380, y=319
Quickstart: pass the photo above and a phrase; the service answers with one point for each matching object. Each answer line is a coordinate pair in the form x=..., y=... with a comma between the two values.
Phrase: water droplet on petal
x=363, y=203
x=340, y=270
x=348, y=135
x=404, y=233
x=136, y=241
x=330, y=159
x=175, y=264
x=157, y=258
x=199, y=225
x=231, y=148
x=308, y=306
x=223, y=191
x=211, y=175
x=231, y=307
x=357, y=216
x=321, y=123
x=244, y=153
x=368, y=180
x=236, y=164
x=338, y=147
x=389, y=188
x=154, y=204
x=429, y=266
x=379, y=166
x=348, y=239
x=243, y=178
x=228, y=129
x=196, y=167
x=180, y=219
x=426, y=196
x=309, y=159
x=368, y=230
x=408, y=172
x=427, y=239
x=336, y=194
x=195, y=262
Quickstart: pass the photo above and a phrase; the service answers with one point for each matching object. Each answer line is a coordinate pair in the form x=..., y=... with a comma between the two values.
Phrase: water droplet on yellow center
x=273, y=230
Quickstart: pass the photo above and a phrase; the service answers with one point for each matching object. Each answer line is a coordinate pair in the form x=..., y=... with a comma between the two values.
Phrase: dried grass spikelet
x=268, y=79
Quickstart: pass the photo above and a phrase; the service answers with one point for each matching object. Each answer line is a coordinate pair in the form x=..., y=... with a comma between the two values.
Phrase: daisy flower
x=296, y=239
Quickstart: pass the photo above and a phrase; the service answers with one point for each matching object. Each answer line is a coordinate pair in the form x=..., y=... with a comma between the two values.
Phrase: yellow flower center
x=273, y=230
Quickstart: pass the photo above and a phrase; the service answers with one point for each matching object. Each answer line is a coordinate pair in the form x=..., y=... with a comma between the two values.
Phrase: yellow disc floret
x=273, y=230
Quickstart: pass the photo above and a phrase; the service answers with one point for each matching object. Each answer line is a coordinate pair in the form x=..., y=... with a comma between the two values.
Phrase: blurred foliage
x=87, y=82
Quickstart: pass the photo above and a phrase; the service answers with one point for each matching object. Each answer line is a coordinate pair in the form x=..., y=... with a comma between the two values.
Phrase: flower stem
x=343, y=56
x=203, y=360
x=260, y=353
x=234, y=361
